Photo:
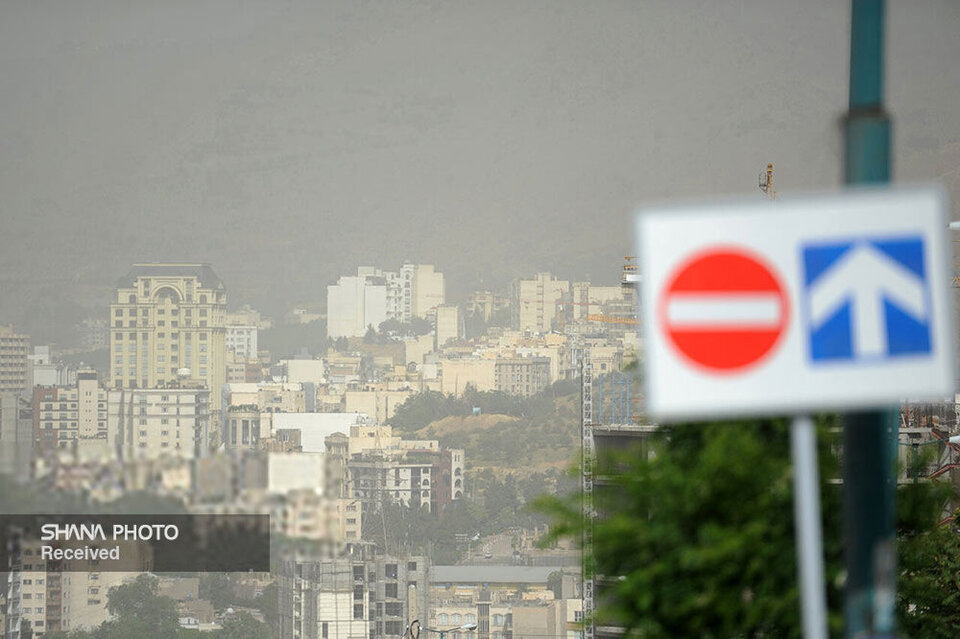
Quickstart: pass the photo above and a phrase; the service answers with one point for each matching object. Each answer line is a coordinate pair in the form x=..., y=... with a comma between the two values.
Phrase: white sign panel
x=796, y=305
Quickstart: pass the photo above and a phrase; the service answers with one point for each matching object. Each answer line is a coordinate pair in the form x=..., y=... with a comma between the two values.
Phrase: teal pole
x=869, y=438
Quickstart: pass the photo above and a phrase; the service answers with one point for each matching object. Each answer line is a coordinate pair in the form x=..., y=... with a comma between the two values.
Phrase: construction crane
x=766, y=182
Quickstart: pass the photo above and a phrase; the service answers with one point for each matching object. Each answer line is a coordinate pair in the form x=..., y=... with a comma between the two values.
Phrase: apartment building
x=51, y=598
x=14, y=349
x=423, y=291
x=160, y=422
x=242, y=340
x=167, y=323
x=524, y=376
x=357, y=595
x=536, y=302
x=64, y=415
x=448, y=325
x=16, y=436
x=356, y=303
x=373, y=296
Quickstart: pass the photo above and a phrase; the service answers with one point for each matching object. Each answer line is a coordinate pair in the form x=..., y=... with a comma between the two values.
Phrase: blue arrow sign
x=866, y=299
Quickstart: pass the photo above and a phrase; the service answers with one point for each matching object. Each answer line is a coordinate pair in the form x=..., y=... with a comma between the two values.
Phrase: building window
x=358, y=611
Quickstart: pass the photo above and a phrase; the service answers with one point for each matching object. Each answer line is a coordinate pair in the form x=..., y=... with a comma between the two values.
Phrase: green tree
x=928, y=590
x=217, y=588
x=242, y=625
x=701, y=535
x=698, y=526
x=139, y=611
x=268, y=602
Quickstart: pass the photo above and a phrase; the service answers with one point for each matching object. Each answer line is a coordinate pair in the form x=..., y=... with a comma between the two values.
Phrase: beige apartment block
x=535, y=302
x=63, y=415
x=448, y=325
x=381, y=405
x=523, y=376
x=590, y=300
x=415, y=348
x=457, y=374
x=242, y=341
x=160, y=422
x=167, y=323
x=14, y=349
x=272, y=397
x=423, y=290
x=59, y=600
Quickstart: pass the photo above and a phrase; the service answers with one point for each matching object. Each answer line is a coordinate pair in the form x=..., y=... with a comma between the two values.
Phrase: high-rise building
x=423, y=290
x=358, y=594
x=168, y=323
x=16, y=436
x=242, y=340
x=160, y=422
x=524, y=376
x=535, y=302
x=13, y=360
x=355, y=303
x=63, y=416
x=448, y=325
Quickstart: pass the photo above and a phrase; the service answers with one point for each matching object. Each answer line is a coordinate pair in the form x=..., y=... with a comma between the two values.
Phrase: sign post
x=869, y=438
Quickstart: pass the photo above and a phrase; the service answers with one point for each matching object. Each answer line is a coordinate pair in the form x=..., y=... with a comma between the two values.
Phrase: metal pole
x=869, y=438
x=806, y=510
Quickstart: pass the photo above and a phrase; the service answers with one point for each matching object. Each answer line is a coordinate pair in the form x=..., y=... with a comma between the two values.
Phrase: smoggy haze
x=287, y=142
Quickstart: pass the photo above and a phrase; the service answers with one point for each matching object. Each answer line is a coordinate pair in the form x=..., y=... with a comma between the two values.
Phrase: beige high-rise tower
x=167, y=325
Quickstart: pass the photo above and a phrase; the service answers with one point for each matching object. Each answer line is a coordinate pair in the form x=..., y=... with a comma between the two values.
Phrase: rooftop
x=203, y=272
x=491, y=574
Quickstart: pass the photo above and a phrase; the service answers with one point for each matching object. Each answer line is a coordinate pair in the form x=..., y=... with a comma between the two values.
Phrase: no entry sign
x=796, y=305
x=724, y=309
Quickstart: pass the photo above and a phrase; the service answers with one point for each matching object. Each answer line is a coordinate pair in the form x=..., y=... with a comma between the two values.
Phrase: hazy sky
x=288, y=141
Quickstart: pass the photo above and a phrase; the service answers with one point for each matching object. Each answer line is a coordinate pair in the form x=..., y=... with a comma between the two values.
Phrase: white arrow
x=866, y=276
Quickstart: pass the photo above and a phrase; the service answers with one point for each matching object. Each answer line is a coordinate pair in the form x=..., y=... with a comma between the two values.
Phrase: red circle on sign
x=724, y=309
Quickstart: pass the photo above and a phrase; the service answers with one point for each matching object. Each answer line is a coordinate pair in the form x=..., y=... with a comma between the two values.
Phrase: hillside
x=513, y=445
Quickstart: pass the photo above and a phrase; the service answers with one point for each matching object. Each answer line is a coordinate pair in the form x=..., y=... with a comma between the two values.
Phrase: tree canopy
x=695, y=537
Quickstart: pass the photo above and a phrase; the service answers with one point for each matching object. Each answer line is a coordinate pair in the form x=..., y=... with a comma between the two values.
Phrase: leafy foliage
x=699, y=525
x=429, y=406
x=140, y=612
x=493, y=505
x=242, y=625
x=928, y=591
x=415, y=327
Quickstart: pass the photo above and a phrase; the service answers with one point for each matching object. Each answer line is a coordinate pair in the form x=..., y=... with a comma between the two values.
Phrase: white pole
x=806, y=508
